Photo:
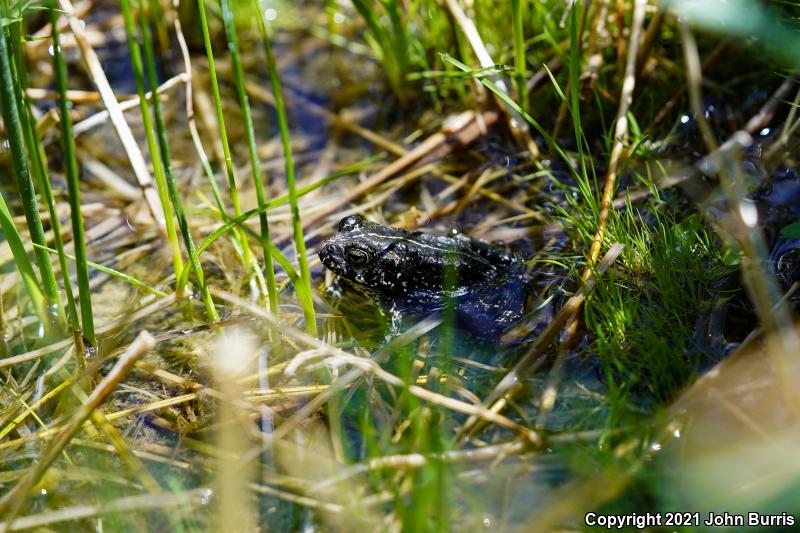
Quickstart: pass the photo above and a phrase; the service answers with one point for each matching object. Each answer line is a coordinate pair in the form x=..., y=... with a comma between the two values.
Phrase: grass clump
x=647, y=319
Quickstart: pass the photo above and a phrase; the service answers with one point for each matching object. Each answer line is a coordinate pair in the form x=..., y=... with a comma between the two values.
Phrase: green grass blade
x=166, y=156
x=22, y=262
x=13, y=126
x=223, y=134
x=574, y=86
x=584, y=185
x=255, y=164
x=157, y=16
x=39, y=169
x=43, y=181
x=231, y=223
x=73, y=186
x=520, y=62
x=283, y=124
x=158, y=168
x=111, y=272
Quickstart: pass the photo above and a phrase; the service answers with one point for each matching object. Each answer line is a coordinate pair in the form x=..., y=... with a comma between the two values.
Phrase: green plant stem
x=44, y=183
x=392, y=46
x=158, y=169
x=520, y=63
x=157, y=16
x=13, y=126
x=255, y=165
x=283, y=124
x=196, y=141
x=37, y=155
x=11, y=233
x=574, y=105
x=73, y=186
x=166, y=155
x=115, y=273
x=22, y=262
x=226, y=149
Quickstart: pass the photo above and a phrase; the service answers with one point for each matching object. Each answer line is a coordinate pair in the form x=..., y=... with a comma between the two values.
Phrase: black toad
x=412, y=273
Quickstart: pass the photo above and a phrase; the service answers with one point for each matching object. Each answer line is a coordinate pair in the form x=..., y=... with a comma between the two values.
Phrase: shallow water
x=604, y=430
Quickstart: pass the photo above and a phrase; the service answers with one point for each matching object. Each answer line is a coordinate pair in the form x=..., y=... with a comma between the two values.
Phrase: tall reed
x=73, y=186
x=13, y=125
x=255, y=164
x=581, y=142
x=520, y=61
x=283, y=124
x=223, y=133
x=22, y=262
x=166, y=156
x=11, y=233
x=158, y=168
x=39, y=169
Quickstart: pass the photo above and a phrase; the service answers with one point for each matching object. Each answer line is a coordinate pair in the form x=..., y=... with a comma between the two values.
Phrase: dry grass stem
x=189, y=498
x=95, y=70
x=516, y=123
x=620, y=135
x=458, y=131
x=13, y=499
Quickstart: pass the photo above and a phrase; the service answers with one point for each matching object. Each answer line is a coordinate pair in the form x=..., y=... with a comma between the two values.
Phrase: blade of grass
x=38, y=158
x=13, y=126
x=520, y=63
x=196, y=141
x=255, y=164
x=111, y=272
x=574, y=85
x=22, y=262
x=299, y=239
x=158, y=168
x=166, y=155
x=73, y=186
x=157, y=16
x=223, y=134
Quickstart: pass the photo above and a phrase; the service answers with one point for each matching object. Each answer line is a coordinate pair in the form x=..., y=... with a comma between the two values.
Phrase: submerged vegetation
x=174, y=355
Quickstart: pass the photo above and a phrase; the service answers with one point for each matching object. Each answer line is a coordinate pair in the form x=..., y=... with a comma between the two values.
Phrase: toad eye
x=358, y=256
